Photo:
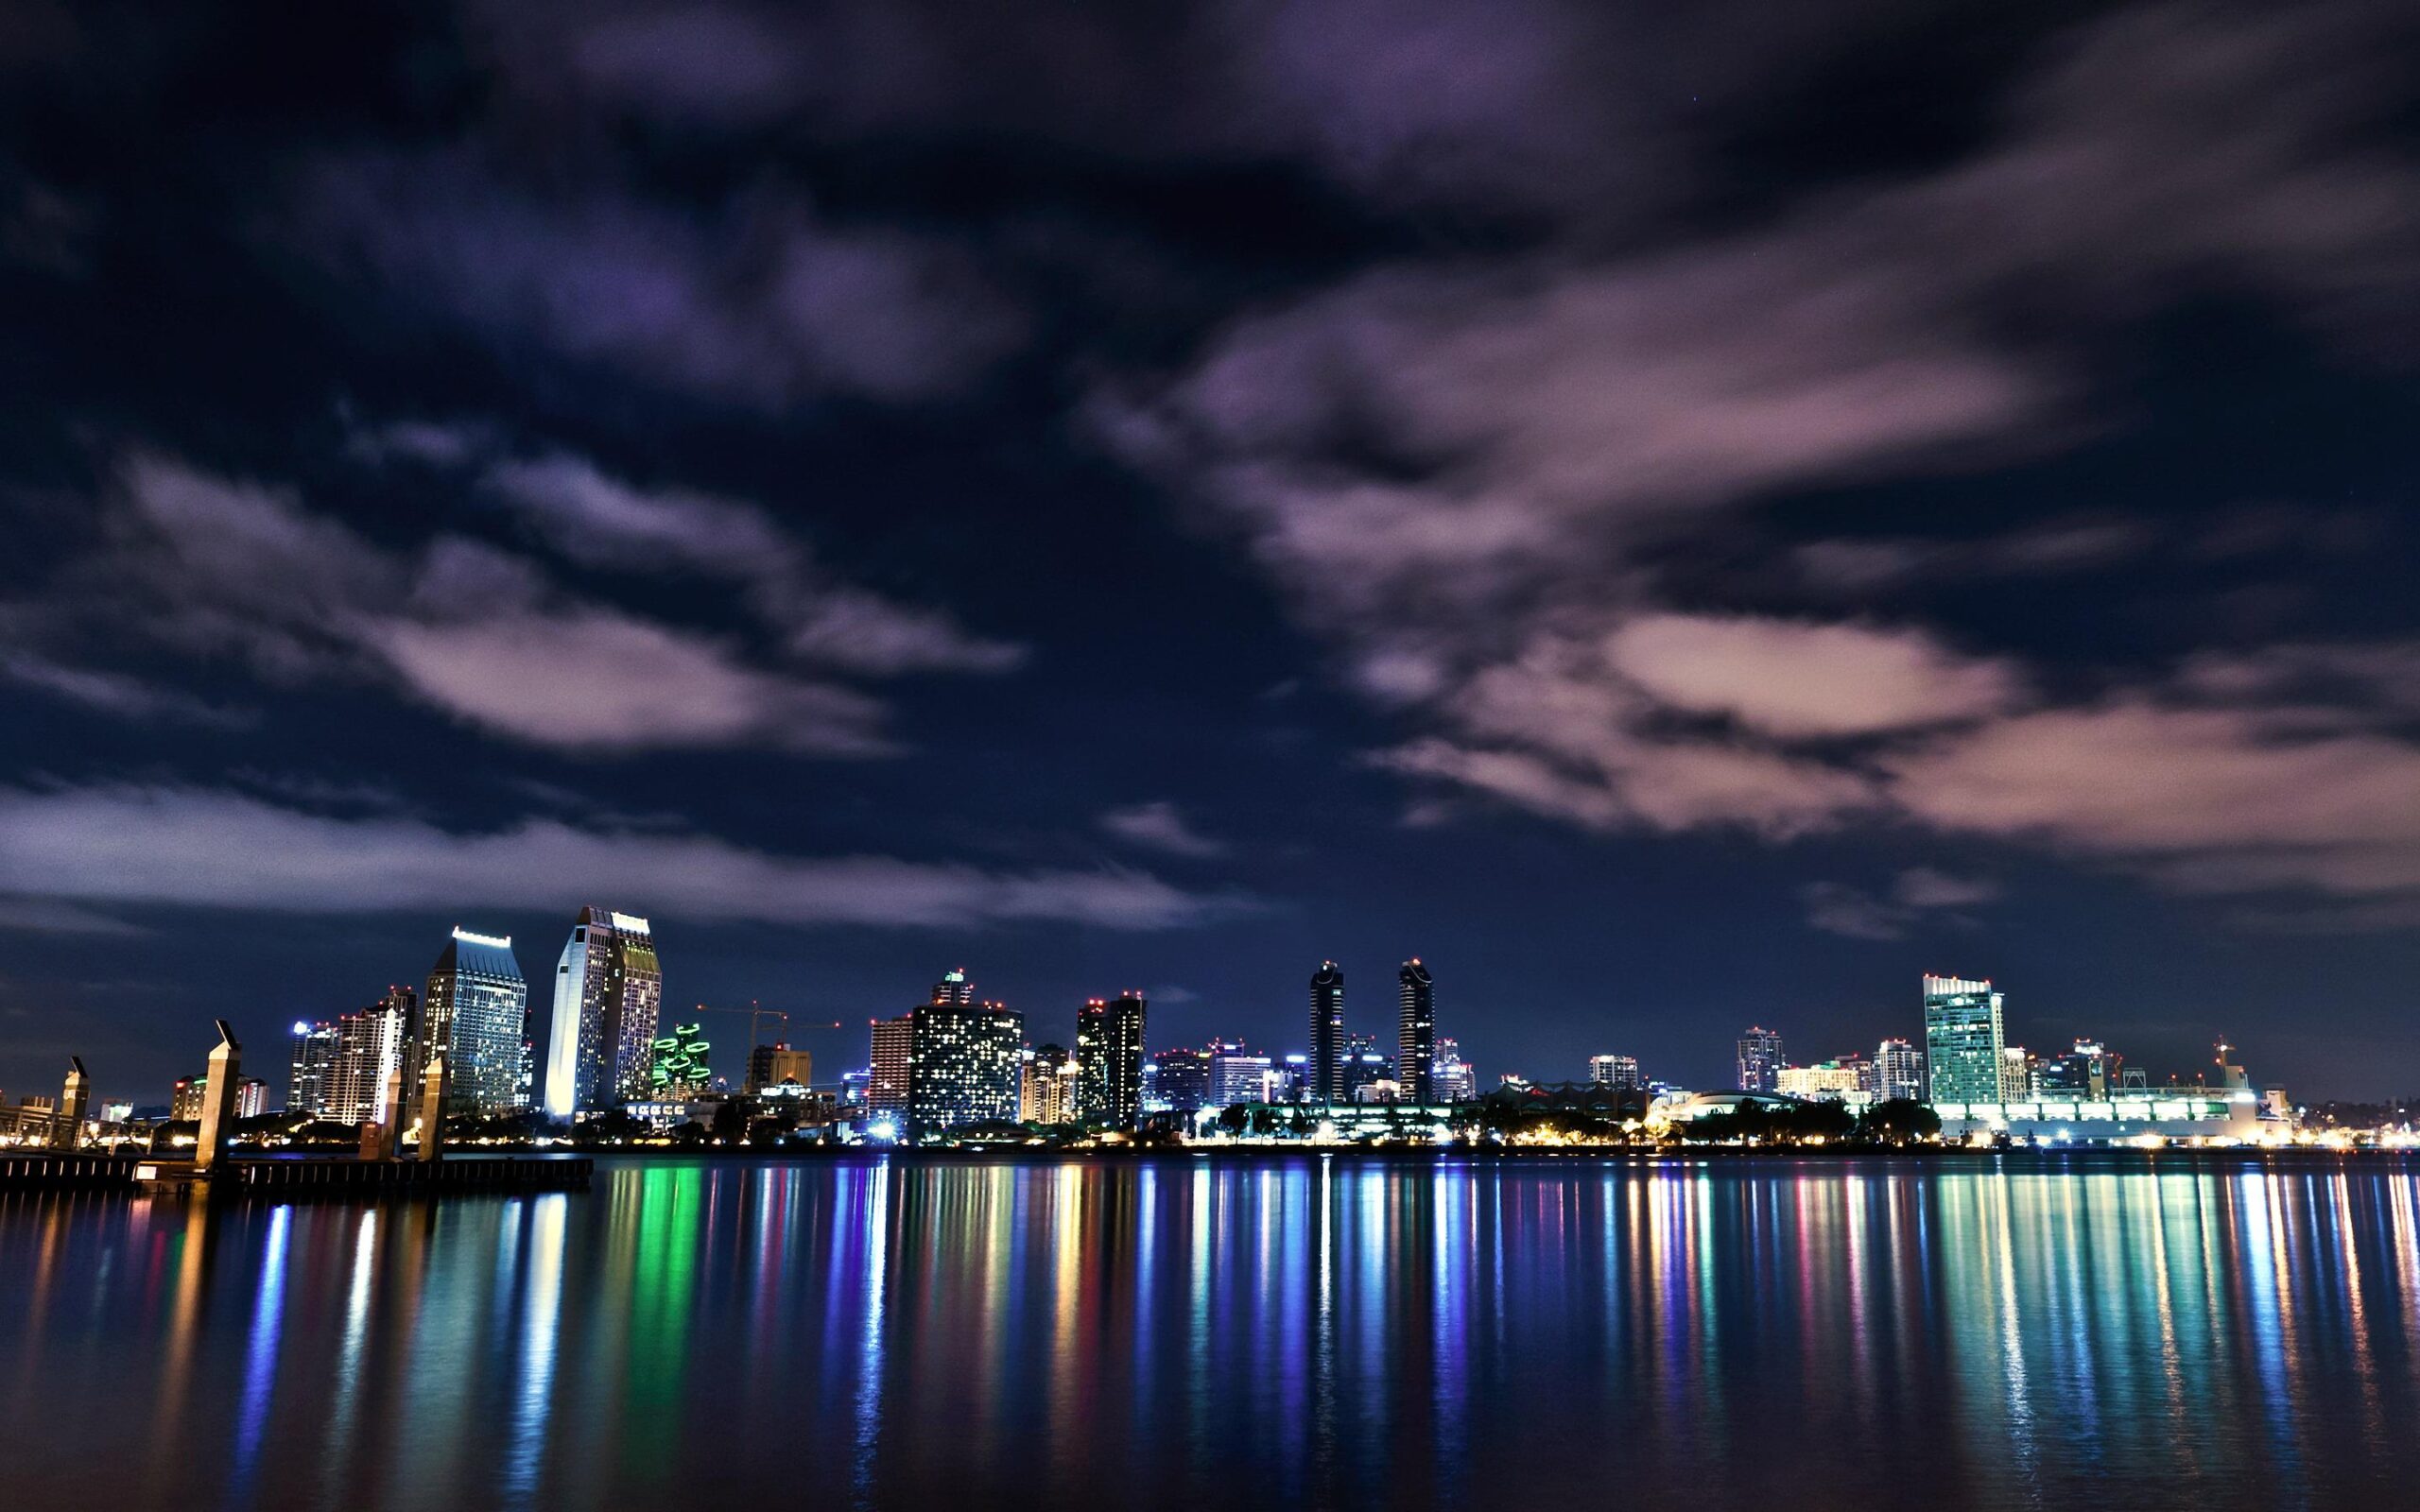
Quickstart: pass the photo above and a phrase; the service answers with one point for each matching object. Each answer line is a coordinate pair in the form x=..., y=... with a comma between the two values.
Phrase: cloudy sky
x=1679, y=516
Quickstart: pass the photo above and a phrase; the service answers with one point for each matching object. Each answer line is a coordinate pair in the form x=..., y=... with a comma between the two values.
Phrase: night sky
x=1679, y=516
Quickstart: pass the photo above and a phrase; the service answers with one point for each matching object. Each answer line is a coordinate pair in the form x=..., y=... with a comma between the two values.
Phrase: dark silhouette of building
x=1325, y=1082
x=1416, y=1036
x=1109, y=1059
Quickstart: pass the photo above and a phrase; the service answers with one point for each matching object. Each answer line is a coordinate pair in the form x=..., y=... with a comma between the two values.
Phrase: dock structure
x=298, y=1177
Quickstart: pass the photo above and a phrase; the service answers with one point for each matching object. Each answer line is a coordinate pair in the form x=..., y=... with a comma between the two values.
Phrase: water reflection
x=1196, y=1333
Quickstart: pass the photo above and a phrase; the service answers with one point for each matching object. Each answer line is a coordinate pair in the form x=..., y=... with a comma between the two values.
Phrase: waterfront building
x=1761, y=1061
x=1047, y=1093
x=1324, y=1071
x=476, y=1014
x=1109, y=1048
x=1826, y=1081
x=964, y=1066
x=2088, y=1071
x=1964, y=1040
x=2016, y=1074
x=1456, y=1081
x=609, y=987
x=185, y=1098
x=852, y=1087
x=1236, y=1076
x=1416, y=1034
x=775, y=1064
x=1899, y=1072
x=887, y=1082
x=1183, y=1081
x=1619, y=1072
x=311, y=1083
x=371, y=1044
x=678, y=1067
x=252, y=1098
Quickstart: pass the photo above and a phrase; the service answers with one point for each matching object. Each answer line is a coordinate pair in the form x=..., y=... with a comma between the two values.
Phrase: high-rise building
x=477, y=1015
x=1365, y=1066
x=1185, y=1080
x=954, y=987
x=185, y=1096
x=371, y=1044
x=1325, y=1070
x=1108, y=1050
x=894, y=1042
x=2088, y=1072
x=964, y=1062
x=1456, y=1081
x=1416, y=1033
x=609, y=988
x=310, y=1087
x=1964, y=1040
x=1047, y=1093
x=1237, y=1075
x=252, y=1098
x=1899, y=1072
x=775, y=1064
x=1828, y=1081
x=1760, y=1060
x=1618, y=1071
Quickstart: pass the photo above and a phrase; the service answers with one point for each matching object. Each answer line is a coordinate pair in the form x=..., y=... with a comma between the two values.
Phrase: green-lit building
x=1964, y=1040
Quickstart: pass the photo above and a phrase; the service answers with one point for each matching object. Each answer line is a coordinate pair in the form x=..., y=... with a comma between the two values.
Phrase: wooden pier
x=287, y=1180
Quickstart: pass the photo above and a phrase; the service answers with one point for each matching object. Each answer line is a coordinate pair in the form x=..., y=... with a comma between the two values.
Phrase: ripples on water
x=1288, y=1332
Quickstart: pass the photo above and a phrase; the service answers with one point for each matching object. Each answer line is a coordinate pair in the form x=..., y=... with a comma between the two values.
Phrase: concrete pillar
x=67, y=1130
x=433, y=1086
x=384, y=1140
x=218, y=1100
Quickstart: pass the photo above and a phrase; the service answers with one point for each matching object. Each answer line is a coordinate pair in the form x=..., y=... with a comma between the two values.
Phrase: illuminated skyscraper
x=965, y=1066
x=1416, y=1034
x=312, y=1084
x=477, y=1015
x=1185, y=1080
x=1964, y=1041
x=954, y=987
x=894, y=1042
x=1456, y=1081
x=1047, y=1093
x=608, y=991
x=369, y=1044
x=1109, y=1055
x=1760, y=1060
x=1325, y=1070
x=1617, y=1071
x=1236, y=1076
x=1898, y=1071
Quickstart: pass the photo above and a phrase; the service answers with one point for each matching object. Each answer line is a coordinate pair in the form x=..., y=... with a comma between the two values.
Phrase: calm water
x=1181, y=1334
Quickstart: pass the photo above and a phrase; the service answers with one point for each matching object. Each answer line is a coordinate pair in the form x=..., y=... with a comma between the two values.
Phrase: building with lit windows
x=2088, y=1071
x=310, y=1087
x=1047, y=1093
x=1456, y=1081
x=609, y=989
x=476, y=1014
x=1620, y=1072
x=894, y=1042
x=1416, y=1034
x=1761, y=1061
x=185, y=1098
x=1108, y=1050
x=1964, y=1041
x=954, y=987
x=1829, y=1081
x=1185, y=1080
x=1898, y=1071
x=1237, y=1075
x=371, y=1044
x=965, y=1066
x=1365, y=1066
x=1324, y=1071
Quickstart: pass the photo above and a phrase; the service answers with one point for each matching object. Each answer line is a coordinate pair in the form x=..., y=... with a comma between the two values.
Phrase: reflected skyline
x=1325, y=1333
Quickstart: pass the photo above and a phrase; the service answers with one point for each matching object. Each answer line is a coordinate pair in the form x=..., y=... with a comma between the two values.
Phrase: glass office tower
x=1964, y=1041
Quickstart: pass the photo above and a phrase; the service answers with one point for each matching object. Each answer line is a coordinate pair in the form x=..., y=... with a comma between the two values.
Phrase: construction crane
x=756, y=1015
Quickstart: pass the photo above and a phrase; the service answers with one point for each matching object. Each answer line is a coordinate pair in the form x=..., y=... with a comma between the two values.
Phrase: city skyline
x=1185, y=503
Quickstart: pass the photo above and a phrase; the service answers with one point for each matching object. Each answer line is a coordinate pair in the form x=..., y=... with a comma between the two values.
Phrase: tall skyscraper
x=1760, y=1060
x=894, y=1042
x=1416, y=1034
x=369, y=1044
x=608, y=991
x=311, y=1085
x=1325, y=1070
x=1964, y=1041
x=954, y=987
x=476, y=1014
x=1898, y=1071
x=1109, y=1055
x=1617, y=1071
x=965, y=1066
